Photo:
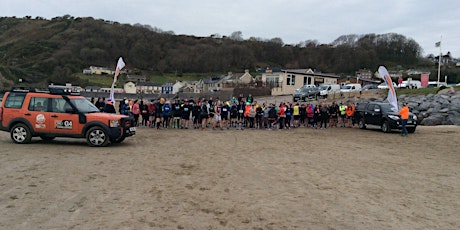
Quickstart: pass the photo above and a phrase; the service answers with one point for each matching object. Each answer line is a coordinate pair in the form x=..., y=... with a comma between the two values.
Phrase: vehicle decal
x=64, y=124
x=40, y=119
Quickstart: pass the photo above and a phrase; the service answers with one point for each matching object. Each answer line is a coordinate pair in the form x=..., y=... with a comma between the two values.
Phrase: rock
x=429, y=96
x=432, y=120
x=454, y=117
x=441, y=100
x=424, y=106
x=414, y=99
x=431, y=109
x=436, y=107
x=447, y=122
x=455, y=101
x=412, y=105
x=444, y=96
x=445, y=110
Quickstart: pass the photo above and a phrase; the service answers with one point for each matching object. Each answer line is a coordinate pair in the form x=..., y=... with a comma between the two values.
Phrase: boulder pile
x=432, y=109
x=435, y=109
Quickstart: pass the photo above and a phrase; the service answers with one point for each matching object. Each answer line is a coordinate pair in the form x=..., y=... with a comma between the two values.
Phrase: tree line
x=39, y=50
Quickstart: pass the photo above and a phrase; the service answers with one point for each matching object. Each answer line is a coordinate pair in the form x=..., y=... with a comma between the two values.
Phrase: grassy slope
x=106, y=80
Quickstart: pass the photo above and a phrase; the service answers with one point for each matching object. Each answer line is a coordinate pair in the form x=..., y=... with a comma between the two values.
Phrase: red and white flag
x=120, y=65
x=391, y=89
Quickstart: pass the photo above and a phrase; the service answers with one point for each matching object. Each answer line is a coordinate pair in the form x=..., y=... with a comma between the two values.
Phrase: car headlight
x=414, y=117
x=114, y=123
x=393, y=117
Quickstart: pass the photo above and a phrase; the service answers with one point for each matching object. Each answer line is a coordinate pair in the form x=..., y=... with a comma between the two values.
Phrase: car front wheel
x=386, y=127
x=21, y=134
x=97, y=137
x=411, y=130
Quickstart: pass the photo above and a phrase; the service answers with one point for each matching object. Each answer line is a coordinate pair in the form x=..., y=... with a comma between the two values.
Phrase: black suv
x=305, y=93
x=381, y=115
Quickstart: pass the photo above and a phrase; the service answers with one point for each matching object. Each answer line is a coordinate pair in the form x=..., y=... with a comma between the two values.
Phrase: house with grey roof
x=286, y=81
x=136, y=78
x=233, y=79
x=148, y=88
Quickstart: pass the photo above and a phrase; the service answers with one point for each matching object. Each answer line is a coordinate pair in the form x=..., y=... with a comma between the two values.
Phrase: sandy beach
x=339, y=178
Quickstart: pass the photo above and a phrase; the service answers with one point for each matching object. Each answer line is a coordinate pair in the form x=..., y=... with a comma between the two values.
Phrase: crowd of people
x=236, y=113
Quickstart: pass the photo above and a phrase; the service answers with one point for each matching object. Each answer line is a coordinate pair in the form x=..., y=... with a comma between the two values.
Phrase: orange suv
x=60, y=113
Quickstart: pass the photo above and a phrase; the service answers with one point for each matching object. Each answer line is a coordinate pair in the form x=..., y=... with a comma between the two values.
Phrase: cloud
x=293, y=21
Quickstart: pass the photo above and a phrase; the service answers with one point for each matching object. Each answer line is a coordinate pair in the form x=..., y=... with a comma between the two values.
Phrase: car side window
x=370, y=107
x=57, y=105
x=37, y=104
x=15, y=100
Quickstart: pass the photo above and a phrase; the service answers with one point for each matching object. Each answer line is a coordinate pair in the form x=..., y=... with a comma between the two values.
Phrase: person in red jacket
x=136, y=112
x=281, y=115
x=404, y=112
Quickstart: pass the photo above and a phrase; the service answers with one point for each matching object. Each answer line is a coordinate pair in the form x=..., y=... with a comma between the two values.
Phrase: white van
x=411, y=84
x=435, y=84
x=324, y=90
x=351, y=88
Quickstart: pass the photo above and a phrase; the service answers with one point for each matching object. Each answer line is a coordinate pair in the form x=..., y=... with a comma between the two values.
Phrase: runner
x=233, y=115
x=151, y=108
x=217, y=116
x=196, y=113
x=296, y=114
x=342, y=114
x=333, y=112
x=281, y=115
x=166, y=113
x=225, y=115
x=186, y=109
x=240, y=118
x=350, y=111
x=204, y=114
x=177, y=114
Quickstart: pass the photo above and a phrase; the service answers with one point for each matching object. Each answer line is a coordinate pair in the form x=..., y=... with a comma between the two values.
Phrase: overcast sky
x=293, y=21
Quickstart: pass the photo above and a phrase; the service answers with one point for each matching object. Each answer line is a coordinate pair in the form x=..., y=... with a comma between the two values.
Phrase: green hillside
x=40, y=51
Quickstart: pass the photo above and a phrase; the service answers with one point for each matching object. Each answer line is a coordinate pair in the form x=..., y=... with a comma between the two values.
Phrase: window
x=37, y=104
x=307, y=81
x=57, y=105
x=290, y=79
x=15, y=100
x=273, y=81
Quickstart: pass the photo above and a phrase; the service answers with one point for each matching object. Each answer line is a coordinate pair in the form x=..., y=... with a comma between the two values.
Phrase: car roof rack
x=60, y=90
x=55, y=90
x=22, y=89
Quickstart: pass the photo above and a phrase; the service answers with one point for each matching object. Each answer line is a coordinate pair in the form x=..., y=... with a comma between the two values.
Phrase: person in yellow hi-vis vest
x=342, y=114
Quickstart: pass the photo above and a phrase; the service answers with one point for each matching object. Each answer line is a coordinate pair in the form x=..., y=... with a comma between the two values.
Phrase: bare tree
x=237, y=36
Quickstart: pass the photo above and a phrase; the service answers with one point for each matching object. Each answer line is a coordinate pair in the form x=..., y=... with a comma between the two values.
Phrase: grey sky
x=291, y=20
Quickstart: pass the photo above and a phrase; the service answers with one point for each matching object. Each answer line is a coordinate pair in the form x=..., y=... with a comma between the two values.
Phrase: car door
x=374, y=114
x=62, y=121
x=37, y=115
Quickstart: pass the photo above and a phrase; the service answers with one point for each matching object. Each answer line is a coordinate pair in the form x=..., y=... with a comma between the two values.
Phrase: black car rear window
x=15, y=100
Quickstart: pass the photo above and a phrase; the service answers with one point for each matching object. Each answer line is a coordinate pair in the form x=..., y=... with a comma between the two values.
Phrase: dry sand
x=252, y=179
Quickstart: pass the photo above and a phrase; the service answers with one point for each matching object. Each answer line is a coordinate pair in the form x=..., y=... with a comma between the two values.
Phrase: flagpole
x=439, y=63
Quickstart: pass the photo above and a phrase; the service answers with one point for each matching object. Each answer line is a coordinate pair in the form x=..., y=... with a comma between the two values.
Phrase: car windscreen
x=84, y=106
x=387, y=108
x=302, y=90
